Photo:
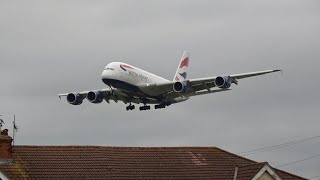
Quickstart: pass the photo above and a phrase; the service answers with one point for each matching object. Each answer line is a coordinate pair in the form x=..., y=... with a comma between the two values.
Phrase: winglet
x=279, y=70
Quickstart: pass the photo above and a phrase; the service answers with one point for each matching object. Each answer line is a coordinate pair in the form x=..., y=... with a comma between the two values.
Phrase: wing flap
x=209, y=92
x=201, y=86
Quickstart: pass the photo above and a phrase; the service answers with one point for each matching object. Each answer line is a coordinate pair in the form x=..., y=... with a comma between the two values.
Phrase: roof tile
x=100, y=162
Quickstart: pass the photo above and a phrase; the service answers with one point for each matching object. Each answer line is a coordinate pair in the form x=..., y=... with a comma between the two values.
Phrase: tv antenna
x=15, y=129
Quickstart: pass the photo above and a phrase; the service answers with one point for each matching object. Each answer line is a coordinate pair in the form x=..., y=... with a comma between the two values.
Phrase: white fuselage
x=129, y=78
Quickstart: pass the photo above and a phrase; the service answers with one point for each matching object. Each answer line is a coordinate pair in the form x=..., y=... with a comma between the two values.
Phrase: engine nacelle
x=74, y=99
x=223, y=82
x=95, y=97
x=181, y=87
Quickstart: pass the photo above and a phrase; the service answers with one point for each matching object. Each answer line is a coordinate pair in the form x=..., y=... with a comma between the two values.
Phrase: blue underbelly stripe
x=129, y=87
x=121, y=85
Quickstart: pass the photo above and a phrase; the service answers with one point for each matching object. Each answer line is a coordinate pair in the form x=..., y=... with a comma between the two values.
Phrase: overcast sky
x=51, y=47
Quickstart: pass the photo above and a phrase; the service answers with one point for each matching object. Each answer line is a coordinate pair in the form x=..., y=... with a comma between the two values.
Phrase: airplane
x=130, y=84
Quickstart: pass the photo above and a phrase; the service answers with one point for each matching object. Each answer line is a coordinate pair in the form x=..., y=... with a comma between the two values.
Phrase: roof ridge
x=236, y=155
x=258, y=168
x=254, y=164
x=276, y=169
x=140, y=147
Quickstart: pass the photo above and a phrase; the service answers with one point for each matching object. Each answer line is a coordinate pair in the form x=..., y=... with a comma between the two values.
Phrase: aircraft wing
x=205, y=85
x=107, y=95
x=208, y=82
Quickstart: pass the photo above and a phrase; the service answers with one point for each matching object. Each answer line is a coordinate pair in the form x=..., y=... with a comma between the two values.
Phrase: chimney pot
x=4, y=132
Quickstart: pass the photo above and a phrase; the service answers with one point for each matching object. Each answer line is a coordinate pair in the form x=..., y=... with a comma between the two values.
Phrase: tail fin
x=181, y=73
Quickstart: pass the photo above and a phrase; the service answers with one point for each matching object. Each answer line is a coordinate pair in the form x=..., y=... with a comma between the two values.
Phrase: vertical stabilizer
x=181, y=73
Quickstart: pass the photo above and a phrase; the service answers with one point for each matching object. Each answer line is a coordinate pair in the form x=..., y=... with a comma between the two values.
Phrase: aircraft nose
x=105, y=74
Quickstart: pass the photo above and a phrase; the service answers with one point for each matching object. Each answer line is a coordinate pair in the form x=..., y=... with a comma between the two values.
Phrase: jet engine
x=74, y=98
x=95, y=97
x=181, y=87
x=223, y=82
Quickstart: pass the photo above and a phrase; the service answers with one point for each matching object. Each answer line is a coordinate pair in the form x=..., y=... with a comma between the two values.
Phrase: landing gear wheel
x=130, y=107
x=159, y=106
x=143, y=108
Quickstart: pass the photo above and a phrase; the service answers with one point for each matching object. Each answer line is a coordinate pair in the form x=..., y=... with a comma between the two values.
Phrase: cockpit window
x=107, y=68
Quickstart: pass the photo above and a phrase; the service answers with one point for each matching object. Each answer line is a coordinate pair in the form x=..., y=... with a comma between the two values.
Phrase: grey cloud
x=52, y=47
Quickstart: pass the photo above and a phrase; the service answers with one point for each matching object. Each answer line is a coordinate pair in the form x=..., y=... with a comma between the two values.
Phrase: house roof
x=101, y=162
x=249, y=171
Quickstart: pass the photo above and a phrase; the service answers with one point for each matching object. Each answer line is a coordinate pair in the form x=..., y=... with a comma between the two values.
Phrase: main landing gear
x=130, y=107
x=162, y=105
x=145, y=107
x=159, y=106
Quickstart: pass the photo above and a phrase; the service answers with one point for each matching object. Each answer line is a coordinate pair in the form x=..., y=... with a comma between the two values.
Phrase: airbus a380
x=133, y=85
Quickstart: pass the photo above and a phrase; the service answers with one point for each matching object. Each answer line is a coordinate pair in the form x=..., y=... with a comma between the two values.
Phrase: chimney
x=5, y=147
